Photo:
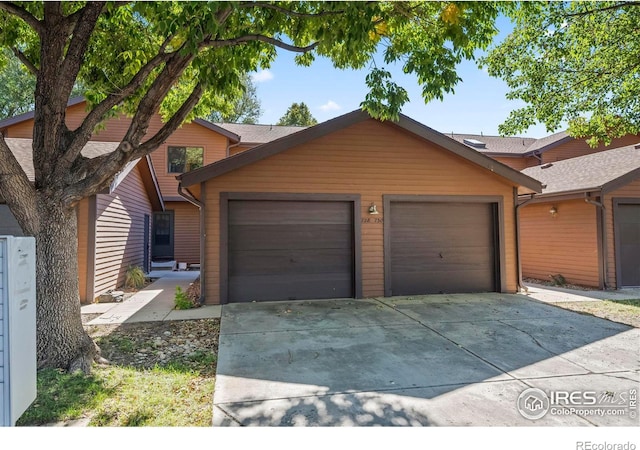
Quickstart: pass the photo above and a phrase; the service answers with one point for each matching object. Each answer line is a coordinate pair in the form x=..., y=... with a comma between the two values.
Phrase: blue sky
x=478, y=105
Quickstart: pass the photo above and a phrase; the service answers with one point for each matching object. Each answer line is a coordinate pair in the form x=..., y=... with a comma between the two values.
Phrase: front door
x=163, y=236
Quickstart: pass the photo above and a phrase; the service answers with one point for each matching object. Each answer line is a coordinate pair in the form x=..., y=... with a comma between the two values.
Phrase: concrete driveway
x=427, y=360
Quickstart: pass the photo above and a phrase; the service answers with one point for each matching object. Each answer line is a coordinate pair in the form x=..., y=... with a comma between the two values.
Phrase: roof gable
x=594, y=172
x=301, y=137
x=22, y=149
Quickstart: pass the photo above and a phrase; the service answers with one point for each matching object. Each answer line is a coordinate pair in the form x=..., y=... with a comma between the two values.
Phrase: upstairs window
x=184, y=159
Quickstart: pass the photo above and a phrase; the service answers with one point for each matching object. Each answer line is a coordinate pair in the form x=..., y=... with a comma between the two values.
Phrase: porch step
x=163, y=265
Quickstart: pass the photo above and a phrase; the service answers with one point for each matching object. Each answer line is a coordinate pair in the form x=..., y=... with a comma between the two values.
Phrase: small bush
x=558, y=280
x=182, y=300
x=193, y=292
x=134, y=278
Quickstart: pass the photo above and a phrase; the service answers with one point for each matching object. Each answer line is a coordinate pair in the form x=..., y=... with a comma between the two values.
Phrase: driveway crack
x=545, y=348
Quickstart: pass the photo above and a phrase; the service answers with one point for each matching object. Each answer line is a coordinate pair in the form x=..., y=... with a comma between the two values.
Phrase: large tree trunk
x=62, y=341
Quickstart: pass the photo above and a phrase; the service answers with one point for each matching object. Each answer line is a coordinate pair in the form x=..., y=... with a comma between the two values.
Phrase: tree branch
x=257, y=37
x=16, y=189
x=289, y=12
x=103, y=167
x=81, y=135
x=608, y=8
x=82, y=32
x=24, y=60
x=23, y=14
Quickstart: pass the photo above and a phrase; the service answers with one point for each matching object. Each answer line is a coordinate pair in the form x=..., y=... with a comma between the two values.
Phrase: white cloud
x=330, y=106
x=262, y=76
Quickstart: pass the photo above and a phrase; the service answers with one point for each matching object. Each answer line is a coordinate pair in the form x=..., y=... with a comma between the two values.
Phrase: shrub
x=193, y=292
x=134, y=278
x=558, y=280
x=182, y=300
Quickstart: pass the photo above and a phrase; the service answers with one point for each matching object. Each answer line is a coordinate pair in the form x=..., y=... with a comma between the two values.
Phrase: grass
x=127, y=393
x=623, y=311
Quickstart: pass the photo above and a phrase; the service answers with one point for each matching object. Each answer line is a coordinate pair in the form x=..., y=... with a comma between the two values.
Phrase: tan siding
x=631, y=190
x=120, y=232
x=566, y=244
x=186, y=232
x=579, y=147
x=517, y=163
x=370, y=159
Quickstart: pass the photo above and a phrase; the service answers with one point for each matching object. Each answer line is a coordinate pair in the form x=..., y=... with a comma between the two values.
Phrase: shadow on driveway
x=425, y=360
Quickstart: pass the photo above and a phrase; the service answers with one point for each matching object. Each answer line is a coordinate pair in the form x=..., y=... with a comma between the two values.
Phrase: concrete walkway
x=153, y=303
x=551, y=294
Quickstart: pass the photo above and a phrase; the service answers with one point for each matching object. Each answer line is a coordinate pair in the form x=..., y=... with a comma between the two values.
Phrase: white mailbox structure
x=17, y=327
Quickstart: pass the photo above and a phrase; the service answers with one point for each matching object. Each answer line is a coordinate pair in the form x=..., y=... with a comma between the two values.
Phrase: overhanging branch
x=23, y=14
x=258, y=37
x=24, y=60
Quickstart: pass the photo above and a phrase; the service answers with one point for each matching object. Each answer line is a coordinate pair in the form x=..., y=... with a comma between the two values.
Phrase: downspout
x=188, y=196
x=521, y=286
x=603, y=237
x=229, y=147
x=538, y=157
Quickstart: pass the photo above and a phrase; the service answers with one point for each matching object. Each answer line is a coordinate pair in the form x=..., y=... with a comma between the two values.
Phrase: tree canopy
x=298, y=114
x=246, y=109
x=183, y=60
x=574, y=62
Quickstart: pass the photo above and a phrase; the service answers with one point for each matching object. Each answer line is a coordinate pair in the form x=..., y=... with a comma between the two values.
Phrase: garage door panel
x=274, y=237
x=281, y=250
x=434, y=282
x=458, y=260
x=260, y=212
x=442, y=247
x=628, y=235
x=288, y=287
x=291, y=261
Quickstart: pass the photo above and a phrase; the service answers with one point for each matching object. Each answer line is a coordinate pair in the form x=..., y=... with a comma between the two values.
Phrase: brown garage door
x=290, y=250
x=628, y=234
x=442, y=248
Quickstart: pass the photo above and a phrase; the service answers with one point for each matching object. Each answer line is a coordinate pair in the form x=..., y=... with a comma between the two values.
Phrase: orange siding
x=579, y=147
x=239, y=149
x=566, y=244
x=631, y=190
x=120, y=232
x=518, y=163
x=370, y=159
x=186, y=231
x=190, y=135
x=83, y=248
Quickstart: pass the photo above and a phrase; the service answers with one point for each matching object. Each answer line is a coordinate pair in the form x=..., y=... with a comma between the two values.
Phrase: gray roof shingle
x=22, y=149
x=510, y=145
x=259, y=134
x=586, y=173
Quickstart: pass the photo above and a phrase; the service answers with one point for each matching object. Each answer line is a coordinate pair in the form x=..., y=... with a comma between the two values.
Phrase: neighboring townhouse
x=114, y=226
x=175, y=232
x=585, y=225
x=330, y=212
x=520, y=153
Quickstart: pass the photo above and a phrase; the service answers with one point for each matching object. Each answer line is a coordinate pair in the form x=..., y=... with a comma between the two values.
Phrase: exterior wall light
x=553, y=211
x=373, y=209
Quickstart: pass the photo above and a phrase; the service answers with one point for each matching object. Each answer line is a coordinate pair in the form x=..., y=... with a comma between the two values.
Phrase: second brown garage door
x=441, y=248
x=627, y=220
x=290, y=250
